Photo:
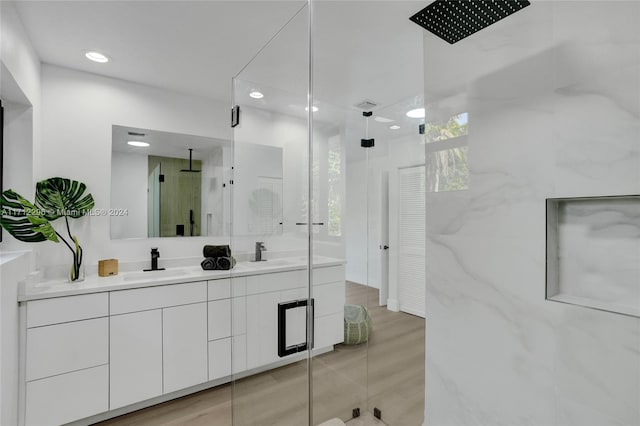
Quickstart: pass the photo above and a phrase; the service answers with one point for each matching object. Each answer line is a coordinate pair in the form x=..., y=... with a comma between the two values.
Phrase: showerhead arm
x=190, y=170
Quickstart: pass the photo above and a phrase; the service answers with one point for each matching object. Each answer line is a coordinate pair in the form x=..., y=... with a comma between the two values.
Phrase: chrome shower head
x=453, y=20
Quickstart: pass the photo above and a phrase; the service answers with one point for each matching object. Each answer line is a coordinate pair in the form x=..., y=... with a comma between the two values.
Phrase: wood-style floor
x=386, y=373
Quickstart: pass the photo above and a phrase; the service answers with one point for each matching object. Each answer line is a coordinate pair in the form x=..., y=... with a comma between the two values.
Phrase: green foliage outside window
x=447, y=168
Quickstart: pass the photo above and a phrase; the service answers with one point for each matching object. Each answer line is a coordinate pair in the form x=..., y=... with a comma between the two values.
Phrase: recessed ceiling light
x=97, y=57
x=314, y=109
x=256, y=95
x=394, y=127
x=383, y=119
x=416, y=113
x=139, y=144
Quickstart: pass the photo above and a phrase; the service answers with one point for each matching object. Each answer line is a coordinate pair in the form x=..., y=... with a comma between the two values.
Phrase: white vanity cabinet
x=158, y=341
x=264, y=292
x=65, y=359
x=227, y=348
x=135, y=357
x=92, y=356
x=184, y=349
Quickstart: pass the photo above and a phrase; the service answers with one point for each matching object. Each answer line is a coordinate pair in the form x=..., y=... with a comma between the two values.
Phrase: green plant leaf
x=60, y=197
x=23, y=220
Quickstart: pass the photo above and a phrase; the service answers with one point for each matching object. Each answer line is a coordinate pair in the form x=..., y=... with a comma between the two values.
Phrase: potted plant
x=55, y=198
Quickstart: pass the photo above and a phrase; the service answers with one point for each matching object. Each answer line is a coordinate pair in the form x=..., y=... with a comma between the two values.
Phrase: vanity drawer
x=220, y=358
x=219, y=319
x=327, y=275
x=238, y=286
x=61, y=399
x=329, y=299
x=143, y=299
x=66, y=309
x=62, y=348
x=227, y=317
x=265, y=283
x=226, y=355
x=329, y=331
x=219, y=289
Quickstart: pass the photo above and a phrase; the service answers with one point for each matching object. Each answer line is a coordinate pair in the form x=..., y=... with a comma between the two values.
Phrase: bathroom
x=436, y=205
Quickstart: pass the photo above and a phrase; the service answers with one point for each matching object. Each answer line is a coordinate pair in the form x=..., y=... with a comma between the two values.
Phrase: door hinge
x=377, y=413
x=235, y=115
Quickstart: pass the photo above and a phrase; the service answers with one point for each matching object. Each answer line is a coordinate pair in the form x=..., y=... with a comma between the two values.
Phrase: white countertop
x=129, y=280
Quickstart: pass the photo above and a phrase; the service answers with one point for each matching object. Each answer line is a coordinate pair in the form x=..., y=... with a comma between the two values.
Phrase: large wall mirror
x=167, y=184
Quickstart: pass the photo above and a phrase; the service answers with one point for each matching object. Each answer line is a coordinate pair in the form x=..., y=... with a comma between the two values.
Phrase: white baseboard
x=393, y=305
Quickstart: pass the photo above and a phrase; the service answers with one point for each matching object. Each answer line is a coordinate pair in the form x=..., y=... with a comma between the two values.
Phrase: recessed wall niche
x=593, y=252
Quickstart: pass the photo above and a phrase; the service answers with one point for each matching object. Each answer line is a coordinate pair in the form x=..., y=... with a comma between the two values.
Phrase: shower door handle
x=283, y=349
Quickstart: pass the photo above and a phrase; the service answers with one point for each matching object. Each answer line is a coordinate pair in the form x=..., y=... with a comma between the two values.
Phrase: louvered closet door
x=411, y=239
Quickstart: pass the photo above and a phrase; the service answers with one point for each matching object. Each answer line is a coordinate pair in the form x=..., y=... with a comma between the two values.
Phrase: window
x=335, y=190
x=447, y=167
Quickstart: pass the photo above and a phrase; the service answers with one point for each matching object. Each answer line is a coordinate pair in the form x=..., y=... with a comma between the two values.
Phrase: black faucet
x=259, y=249
x=155, y=254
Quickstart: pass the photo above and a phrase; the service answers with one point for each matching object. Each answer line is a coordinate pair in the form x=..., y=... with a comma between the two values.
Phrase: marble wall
x=553, y=95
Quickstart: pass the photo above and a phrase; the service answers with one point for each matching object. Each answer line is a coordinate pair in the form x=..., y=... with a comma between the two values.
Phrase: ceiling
x=164, y=144
x=362, y=49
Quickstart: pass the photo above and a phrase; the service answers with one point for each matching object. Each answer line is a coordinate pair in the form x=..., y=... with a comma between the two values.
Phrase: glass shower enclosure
x=289, y=367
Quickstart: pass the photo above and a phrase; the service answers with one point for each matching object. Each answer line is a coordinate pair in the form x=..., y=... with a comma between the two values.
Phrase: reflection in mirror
x=257, y=190
x=167, y=184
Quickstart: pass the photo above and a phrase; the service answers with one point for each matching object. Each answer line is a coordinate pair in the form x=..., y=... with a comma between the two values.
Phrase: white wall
x=213, y=193
x=18, y=150
x=363, y=214
x=355, y=223
x=18, y=55
x=259, y=126
x=554, y=114
x=20, y=85
x=129, y=182
x=251, y=161
x=20, y=88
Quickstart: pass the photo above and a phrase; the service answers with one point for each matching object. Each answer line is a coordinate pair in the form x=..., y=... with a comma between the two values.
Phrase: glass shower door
x=270, y=230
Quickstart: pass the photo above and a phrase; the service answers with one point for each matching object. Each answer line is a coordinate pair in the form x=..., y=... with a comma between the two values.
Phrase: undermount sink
x=272, y=263
x=166, y=273
x=276, y=262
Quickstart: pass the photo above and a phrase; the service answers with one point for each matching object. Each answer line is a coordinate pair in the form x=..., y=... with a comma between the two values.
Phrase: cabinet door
x=67, y=397
x=221, y=354
x=262, y=325
x=219, y=358
x=262, y=329
x=330, y=299
x=135, y=357
x=184, y=330
x=63, y=348
x=219, y=319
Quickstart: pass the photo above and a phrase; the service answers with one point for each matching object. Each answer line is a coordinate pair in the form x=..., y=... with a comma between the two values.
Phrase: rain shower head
x=453, y=20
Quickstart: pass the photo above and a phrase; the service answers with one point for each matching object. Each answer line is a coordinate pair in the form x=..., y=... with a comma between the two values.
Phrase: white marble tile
x=485, y=340
x=596, y=135
x=557, y=117
x=597, y=369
